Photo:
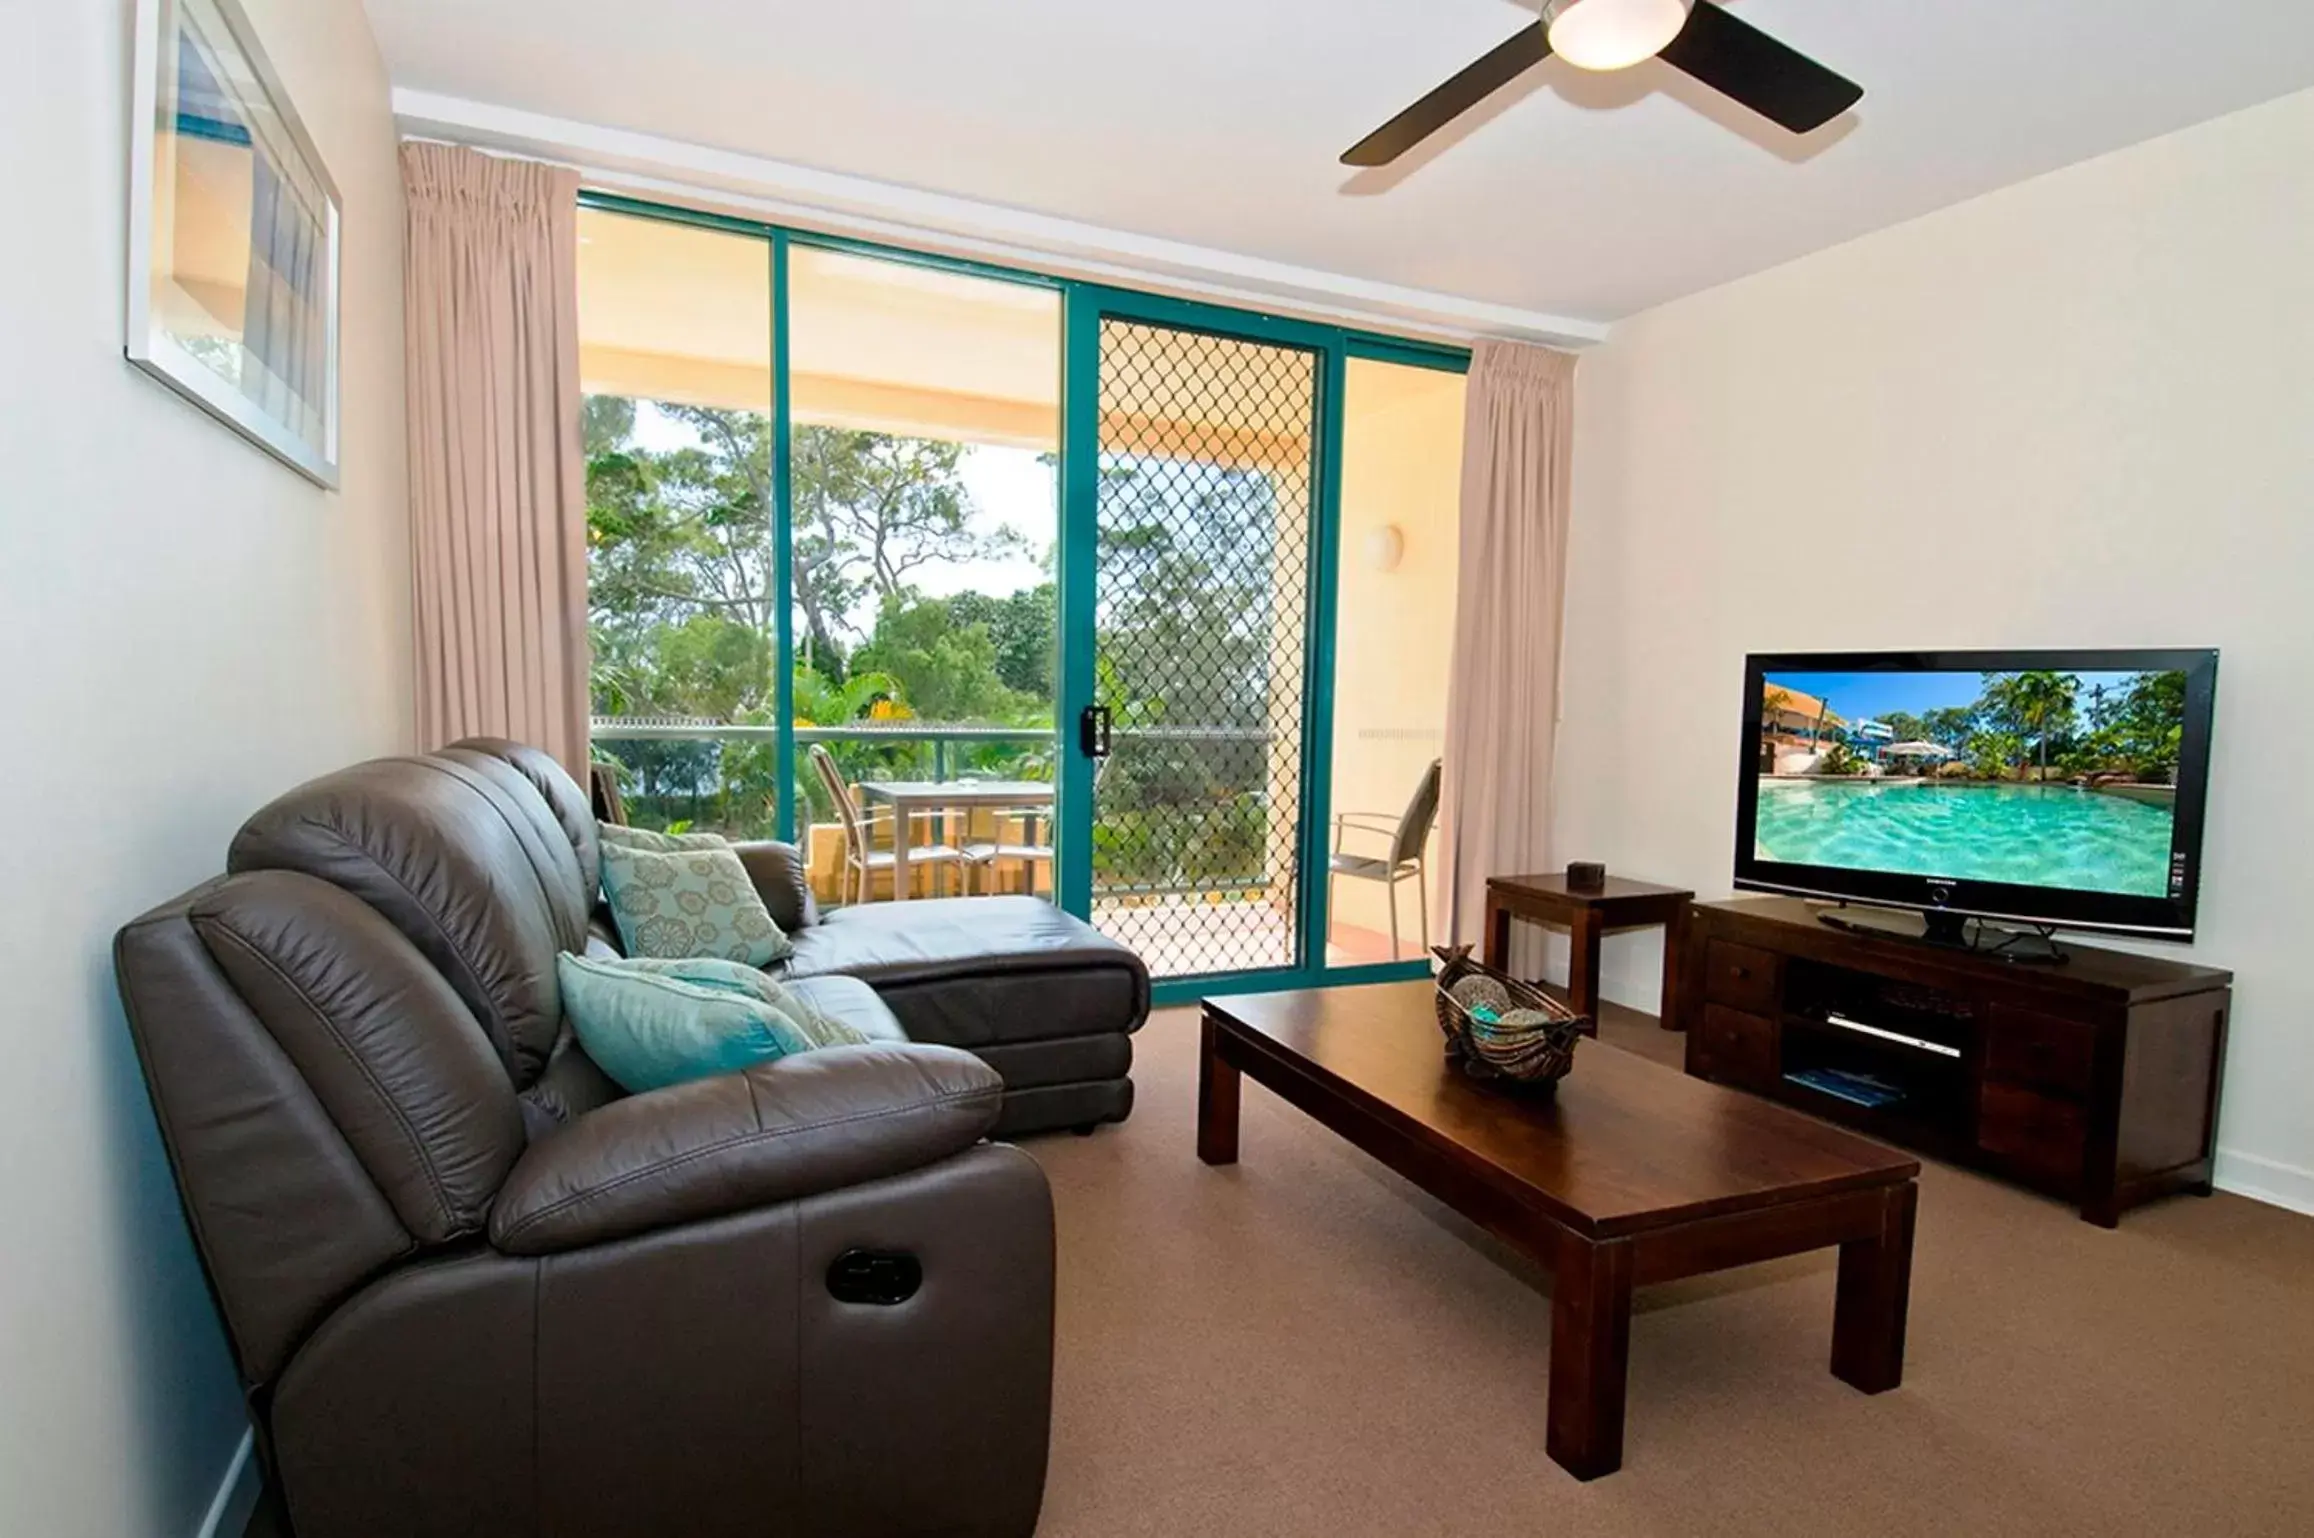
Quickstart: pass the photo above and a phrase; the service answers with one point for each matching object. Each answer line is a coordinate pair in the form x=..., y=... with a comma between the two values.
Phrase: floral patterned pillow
x=678, y=903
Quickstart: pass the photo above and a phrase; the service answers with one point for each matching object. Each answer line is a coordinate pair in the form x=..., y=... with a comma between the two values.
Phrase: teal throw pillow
x=679, y=903
x=652, y=1023
x=820, y=1029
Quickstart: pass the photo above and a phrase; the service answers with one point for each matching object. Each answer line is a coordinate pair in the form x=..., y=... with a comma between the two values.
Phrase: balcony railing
x=725, y=777
x=882, y=734
x=1183, y=811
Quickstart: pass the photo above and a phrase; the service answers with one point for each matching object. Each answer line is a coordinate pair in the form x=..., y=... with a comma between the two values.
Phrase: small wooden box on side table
x=1587, y=916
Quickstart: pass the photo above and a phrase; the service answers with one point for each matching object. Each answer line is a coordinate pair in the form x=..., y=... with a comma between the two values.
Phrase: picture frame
x=234, y=236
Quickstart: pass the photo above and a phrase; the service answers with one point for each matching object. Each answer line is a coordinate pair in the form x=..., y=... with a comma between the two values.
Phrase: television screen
x=2058, y=788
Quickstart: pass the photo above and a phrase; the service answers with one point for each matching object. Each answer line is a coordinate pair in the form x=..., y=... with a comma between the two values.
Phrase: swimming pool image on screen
x=2048, y=779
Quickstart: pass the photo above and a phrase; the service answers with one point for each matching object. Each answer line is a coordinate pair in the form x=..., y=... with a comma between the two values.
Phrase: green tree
x=2145, y=728
x=684, y=602
x=1950, y=725
x=1992, y=755
x=681, y=550
x=1026, y=630
x=679, y=569
x=946, y=671
x=2036, y=705
x=871, y=510
x=1188, y=639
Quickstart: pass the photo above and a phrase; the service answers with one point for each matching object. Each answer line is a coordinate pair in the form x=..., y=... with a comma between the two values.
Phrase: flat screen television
x=2055, y=788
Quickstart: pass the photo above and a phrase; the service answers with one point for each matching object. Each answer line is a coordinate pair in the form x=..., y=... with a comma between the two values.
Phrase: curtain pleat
x=498, y=477
x=1502, y=704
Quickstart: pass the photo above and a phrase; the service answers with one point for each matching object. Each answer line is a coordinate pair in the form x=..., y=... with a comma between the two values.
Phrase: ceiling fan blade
x=1466, y=90
x=1740, y=61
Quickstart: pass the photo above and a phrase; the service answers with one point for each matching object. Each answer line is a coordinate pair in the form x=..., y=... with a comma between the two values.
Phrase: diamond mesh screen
x=1207, y=475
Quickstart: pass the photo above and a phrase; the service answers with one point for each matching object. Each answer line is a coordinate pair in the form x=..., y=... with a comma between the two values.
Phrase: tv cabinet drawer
x=2056, y=1057
x=1738, y=1048
x=2044, y=1139
x=1740, y=977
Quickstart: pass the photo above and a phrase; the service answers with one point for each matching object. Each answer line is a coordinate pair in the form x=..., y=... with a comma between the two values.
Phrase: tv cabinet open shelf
x=2096, y=1081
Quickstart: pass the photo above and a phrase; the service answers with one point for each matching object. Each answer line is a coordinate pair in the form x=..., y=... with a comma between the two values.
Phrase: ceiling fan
x=1731, y=56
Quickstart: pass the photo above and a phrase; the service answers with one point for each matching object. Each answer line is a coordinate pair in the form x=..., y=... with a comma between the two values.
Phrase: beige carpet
x=1306, y=1345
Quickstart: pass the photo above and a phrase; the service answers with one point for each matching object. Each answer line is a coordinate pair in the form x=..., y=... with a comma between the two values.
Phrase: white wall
x=2076, y=412
x=186, y=628
x=1394, y=630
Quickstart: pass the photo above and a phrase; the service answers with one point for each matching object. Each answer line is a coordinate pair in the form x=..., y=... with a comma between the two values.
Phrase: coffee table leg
x=1875, y=1288
x=1217, y=1094
x=1497, y=951
x=1590, y=1355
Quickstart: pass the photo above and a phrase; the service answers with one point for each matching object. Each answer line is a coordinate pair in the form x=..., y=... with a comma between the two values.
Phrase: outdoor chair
x=1030, y=852
x=983, y=857
x=1409, y=834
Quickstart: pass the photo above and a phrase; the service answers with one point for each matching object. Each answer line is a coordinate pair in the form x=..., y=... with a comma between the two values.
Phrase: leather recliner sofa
x=474, y=1289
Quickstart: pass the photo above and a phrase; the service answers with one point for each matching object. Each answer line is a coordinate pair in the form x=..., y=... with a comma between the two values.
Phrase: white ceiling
x=1218, y=122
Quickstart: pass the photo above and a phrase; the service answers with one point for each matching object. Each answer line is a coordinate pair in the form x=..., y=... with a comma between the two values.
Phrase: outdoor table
x=908, y=797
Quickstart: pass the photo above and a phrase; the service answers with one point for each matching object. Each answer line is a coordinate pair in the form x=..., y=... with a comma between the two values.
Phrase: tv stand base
x=2096, y=1081
x=1955, y=931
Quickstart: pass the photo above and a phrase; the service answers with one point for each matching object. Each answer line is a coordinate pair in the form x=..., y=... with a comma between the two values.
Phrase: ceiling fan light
x=1612, y=34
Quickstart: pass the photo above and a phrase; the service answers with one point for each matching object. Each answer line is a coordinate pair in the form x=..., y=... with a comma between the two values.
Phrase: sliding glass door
x=977, y=581
x=1204, y=485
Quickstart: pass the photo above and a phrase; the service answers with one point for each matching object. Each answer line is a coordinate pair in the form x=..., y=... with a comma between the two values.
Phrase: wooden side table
x=1588, y=916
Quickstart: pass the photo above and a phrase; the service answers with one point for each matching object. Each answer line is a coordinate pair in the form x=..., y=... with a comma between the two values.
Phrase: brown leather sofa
x=475, y=1290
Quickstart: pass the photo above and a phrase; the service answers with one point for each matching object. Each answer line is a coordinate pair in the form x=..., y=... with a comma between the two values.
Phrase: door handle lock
x=1093, y=731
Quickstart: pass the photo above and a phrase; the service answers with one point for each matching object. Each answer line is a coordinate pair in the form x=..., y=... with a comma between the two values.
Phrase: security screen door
x=1206, y=455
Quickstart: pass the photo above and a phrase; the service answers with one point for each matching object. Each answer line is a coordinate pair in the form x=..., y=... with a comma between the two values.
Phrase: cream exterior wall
x=1394, y=631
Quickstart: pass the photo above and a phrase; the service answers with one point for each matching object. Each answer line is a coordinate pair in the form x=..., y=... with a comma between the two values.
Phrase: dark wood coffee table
x=1631, y=1174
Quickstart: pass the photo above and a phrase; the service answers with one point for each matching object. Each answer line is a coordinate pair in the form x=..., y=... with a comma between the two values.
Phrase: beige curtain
x=497, y=476
x=1502, y=703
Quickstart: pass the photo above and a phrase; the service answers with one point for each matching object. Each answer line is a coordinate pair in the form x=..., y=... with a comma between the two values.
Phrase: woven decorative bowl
x=1532, y=1054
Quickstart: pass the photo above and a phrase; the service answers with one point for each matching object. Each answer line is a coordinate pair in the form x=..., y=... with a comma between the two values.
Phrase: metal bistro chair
x=1408, y=836
x=862, y=859
x=1031, y=853
x=983, y=857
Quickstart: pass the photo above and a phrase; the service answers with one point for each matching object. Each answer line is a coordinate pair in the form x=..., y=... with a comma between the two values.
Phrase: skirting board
x=2266, y=1180
x=236, y=1497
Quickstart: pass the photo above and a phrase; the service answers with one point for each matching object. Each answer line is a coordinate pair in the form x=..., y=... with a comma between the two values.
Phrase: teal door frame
x=1083, y=306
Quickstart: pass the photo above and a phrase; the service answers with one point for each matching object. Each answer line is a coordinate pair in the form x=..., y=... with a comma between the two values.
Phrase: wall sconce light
x=1385, y=547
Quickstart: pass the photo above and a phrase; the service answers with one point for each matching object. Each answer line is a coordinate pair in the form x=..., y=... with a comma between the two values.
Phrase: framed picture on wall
x=233, y=236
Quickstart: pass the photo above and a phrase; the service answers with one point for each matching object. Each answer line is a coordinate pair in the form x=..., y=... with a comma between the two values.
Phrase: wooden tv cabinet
x=2095, y=1081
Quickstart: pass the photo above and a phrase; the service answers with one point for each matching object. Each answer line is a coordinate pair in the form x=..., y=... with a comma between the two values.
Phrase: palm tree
x=820, y=701
x=2040, y=703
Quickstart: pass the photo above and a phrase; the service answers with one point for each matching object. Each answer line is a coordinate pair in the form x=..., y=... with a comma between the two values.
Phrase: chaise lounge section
x=1039, y=995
